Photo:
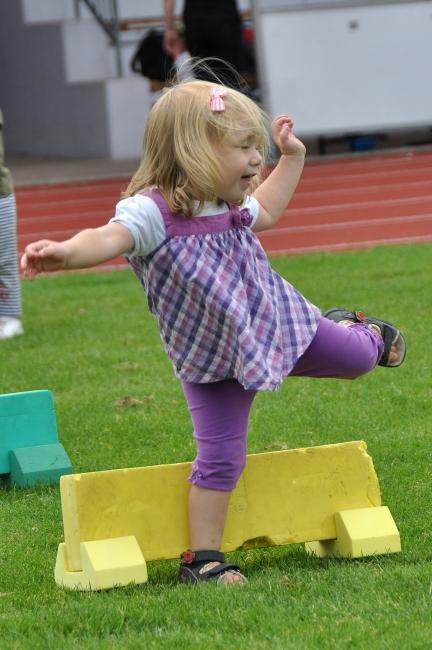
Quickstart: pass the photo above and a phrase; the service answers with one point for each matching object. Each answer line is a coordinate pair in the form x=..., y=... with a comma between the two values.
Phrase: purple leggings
x=220, y=410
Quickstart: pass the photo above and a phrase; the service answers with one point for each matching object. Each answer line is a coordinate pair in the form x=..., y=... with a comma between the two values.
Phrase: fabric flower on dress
x=241, y=217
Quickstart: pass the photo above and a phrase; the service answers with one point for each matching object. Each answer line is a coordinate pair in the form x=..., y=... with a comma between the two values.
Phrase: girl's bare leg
x=207, y=515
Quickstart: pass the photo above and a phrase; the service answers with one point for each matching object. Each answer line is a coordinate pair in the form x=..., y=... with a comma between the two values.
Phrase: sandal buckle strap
x=223, y=568
x=191, y=557
x=360, y=316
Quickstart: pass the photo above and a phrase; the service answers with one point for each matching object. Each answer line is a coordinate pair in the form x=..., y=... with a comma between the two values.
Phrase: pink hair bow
x=217, y=104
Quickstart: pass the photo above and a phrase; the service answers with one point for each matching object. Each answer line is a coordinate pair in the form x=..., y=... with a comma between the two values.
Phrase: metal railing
x=105, y=12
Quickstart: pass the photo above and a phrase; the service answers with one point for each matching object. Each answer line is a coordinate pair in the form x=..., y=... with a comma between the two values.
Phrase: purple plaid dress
x=223, y=312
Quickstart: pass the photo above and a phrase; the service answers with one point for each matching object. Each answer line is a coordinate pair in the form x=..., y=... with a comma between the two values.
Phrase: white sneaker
x=10, y=327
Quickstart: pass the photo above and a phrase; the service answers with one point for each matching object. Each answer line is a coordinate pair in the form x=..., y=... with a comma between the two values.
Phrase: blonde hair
x=181, y=131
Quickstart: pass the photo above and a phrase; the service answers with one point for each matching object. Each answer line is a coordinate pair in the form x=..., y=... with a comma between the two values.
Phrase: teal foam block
x=26, y=420
x=43, y=464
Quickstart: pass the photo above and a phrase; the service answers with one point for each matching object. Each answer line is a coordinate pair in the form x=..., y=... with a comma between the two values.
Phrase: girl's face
x=241, y=161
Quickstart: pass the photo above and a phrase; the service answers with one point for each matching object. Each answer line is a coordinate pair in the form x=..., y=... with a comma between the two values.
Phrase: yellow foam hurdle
x=116, y=520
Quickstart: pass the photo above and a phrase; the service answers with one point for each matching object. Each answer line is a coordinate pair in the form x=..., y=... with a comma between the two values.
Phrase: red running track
x=339, y=204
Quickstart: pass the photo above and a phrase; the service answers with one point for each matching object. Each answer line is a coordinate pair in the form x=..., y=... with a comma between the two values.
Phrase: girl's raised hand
x=285, y=139
x=43, y=255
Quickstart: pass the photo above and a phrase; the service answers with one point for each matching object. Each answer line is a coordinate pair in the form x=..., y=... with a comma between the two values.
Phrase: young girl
x=230, y=324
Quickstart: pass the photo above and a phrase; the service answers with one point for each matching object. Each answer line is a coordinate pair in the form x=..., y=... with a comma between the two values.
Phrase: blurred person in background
x=10, y=292
x=212, y=28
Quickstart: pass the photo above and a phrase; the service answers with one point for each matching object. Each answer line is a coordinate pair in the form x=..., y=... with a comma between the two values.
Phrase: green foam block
x=42, y=464
x=26, y=419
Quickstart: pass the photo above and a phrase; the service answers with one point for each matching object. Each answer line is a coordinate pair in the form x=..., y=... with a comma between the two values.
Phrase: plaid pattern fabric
x=222, y=311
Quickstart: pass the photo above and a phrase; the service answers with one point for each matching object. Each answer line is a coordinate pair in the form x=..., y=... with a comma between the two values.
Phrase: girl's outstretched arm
x=276, y=191
x=87, y=248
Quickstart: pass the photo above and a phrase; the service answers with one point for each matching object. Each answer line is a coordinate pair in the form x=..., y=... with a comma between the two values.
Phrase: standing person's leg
x=10, y=293
x=220, y=413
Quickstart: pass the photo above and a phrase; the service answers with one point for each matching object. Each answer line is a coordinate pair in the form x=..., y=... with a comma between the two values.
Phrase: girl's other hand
x=43, y=255
x=285, y=139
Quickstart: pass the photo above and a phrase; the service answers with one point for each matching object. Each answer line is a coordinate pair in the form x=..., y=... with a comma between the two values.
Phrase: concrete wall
x=346, y=69
x=59, y=91
x=40, y=110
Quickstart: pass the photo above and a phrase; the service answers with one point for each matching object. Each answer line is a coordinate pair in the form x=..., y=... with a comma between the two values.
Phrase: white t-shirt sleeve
x=142, y=218
x=254, y=207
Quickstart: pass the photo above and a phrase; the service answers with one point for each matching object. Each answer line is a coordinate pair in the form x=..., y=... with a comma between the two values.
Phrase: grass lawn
x=90, y=339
